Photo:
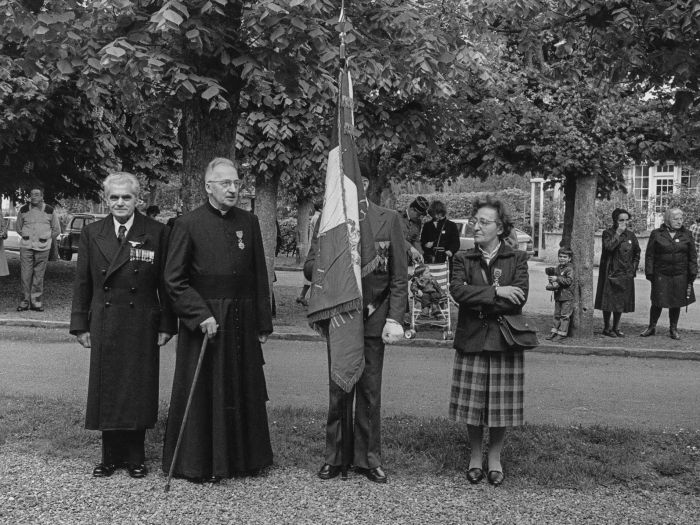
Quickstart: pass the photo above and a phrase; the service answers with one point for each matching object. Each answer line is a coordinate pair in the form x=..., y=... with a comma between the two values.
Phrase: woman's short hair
x=121, y=177
x=669, y=212
x=503, y=217
x=616, y=215
x=436, y=208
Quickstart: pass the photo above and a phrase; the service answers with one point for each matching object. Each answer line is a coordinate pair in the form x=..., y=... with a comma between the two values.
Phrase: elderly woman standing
x=618, y=266
x=671, y=265
x=489, y=280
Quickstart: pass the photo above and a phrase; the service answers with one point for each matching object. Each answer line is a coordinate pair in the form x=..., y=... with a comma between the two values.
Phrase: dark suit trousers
x=367, y=397
x=123, y=446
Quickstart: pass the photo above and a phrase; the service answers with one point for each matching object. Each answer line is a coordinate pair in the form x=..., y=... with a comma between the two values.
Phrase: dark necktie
x=122, y=234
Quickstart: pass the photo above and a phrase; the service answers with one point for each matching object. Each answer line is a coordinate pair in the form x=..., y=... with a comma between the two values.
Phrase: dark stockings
x=673, y=315
x=616, y=319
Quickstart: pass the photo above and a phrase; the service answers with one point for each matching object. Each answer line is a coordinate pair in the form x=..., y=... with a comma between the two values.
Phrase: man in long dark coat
x=217, y=280
x=120, y=311
x=391, y=279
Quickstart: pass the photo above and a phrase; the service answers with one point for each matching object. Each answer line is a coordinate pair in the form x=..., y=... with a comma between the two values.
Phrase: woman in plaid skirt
x=487, y=386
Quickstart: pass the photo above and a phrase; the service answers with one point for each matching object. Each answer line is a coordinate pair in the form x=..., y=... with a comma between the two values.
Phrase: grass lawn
x=545, y=456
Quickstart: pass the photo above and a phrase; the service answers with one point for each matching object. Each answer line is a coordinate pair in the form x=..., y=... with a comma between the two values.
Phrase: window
x=689, y=179
x=664, y=187
x=665, y=168
x=641, y=185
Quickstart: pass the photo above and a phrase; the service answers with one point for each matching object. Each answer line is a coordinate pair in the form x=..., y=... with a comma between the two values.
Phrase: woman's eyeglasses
x=482, y=222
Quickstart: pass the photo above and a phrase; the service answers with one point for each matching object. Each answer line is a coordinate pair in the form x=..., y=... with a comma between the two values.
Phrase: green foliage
x=688, y=201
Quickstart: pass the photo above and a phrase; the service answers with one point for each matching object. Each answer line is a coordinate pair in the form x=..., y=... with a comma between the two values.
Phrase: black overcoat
x=619, y=261
x=443, y=235
x=479, y=307
x=119, y=297
x=670, y=263
x=216, y=267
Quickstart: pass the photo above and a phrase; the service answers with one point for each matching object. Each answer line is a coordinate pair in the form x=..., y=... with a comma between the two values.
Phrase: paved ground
x=560, y=389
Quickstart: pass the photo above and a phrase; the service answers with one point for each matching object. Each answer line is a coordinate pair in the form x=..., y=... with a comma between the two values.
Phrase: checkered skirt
x=488, y=388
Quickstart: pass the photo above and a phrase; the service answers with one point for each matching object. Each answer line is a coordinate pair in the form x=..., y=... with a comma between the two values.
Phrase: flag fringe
x=347, y=384
x=329, y=313
x=371, y=266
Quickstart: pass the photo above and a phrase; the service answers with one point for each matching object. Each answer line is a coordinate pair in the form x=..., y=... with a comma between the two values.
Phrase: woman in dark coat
x=489, y=280
x=618, y=266
x=439, y=238
x=671, y=265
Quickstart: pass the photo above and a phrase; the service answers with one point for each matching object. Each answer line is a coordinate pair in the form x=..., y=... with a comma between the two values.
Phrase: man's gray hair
x=122, y=177
x=218, y=161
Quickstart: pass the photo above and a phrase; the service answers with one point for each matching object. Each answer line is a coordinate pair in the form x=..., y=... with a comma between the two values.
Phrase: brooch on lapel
x=497, y=272
x=135, y=244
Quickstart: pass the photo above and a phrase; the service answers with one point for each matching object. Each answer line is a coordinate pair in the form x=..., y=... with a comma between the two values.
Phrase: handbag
x=518, y=331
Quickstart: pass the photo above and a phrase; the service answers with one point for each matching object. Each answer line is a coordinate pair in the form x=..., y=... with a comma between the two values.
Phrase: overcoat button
x=131, y=304
x=133, y=290
x=108, y=304
x=106, y=288
x=136, y=270
x=104, y=272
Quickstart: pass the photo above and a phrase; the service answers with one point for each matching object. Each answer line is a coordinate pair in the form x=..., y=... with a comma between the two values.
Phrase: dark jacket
x=671, y=264
x=479, y=307
x=619, y=261
x=391, y=275
x=444, y=235
x=565, y=279
x=119, y=297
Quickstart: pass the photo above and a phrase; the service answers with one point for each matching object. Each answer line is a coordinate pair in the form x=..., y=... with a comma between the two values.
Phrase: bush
x=288, y=233
x=554, y=212
x=688, y=201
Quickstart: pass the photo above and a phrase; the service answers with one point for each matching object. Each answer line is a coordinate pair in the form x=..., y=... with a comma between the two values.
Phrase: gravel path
x=40, y=489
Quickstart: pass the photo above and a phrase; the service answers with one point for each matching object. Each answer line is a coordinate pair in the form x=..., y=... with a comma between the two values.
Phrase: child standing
x=560, y=284
x=428, y=291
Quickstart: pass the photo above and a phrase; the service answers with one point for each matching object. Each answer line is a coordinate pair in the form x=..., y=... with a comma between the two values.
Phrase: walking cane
x=187, y=411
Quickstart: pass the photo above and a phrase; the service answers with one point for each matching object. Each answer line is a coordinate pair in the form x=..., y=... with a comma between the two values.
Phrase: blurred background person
x=411, y=224
x=152, y=211
x=439, y=238
x=619, y=260
x=670, y=263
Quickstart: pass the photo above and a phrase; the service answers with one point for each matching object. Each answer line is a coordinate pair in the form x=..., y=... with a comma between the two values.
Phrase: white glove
x=393, y=332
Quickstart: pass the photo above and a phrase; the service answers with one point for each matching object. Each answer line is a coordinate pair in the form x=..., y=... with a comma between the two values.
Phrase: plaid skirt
x=488, y=388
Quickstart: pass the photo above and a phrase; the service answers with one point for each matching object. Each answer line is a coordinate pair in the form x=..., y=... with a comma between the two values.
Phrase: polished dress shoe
x=329, y=471
x=609, y=333
x=37, y=308
x=137, y=471
x=496, y=477
x=103, y=470
x=22, y=308
x=618, y=333
x=475, y=475
x=673, y=333
x=651, y=330
x=375, y=474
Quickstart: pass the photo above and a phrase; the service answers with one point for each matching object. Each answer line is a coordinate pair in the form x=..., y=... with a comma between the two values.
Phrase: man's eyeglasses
x=226, y=184
x=482, y=222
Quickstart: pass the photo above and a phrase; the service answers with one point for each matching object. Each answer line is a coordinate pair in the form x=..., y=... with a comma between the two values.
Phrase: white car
x=13, y=238
x=466, y=237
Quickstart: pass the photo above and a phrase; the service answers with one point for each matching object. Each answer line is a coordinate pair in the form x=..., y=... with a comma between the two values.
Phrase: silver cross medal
x=239, y=234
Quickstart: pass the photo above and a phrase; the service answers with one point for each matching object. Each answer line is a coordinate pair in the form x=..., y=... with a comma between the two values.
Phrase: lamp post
x=533, y=190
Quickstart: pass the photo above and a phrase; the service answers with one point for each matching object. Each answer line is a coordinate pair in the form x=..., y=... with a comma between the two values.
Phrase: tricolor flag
x=345, y=252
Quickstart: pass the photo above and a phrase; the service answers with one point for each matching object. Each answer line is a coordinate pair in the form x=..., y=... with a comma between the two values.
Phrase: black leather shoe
x=649, y=331
x=475, y=475
x=496, y=477
x=375, y=474
x=609, y=333
x=673, y=334
x=103, y=471
x=137, y=471
x=618, y=333
x=329, y=471
x=22, y=308
x=37, y=308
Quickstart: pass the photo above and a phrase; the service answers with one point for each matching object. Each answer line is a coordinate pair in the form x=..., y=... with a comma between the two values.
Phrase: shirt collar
x=218, y=210
x=128, y=224
x=488, y=256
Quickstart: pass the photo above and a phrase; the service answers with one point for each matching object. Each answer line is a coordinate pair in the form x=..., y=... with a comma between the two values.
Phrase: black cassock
x=216, y=267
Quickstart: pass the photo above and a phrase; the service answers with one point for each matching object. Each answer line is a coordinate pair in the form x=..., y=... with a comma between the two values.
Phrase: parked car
x=13, y=238
x=68, y=240
x=466, y=237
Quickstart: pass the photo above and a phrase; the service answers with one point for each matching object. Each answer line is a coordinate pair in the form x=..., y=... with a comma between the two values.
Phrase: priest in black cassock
x=216, y=277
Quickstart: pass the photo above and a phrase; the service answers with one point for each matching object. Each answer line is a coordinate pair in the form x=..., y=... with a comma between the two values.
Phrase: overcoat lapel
x=136, y=233
x=377, y=220
x=106, y=240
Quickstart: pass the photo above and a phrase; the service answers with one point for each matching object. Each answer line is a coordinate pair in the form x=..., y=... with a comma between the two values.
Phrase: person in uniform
x=38, y=226
x=217, y=280
x=411, y=225
x=391, y=279
x=120, y=311
x=619, y=260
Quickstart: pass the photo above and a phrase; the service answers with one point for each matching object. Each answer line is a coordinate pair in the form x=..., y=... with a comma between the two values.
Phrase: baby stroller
x=441, y=318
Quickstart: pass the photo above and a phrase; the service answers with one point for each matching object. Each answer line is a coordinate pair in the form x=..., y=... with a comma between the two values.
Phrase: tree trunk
x=304, y=207
x=582, y=244
x=266, y=211
x=569, y=202
x=203, y=136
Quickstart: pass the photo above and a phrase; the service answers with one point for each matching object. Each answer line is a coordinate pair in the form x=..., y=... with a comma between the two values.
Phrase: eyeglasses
x=227, y=183
x=482, y=222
